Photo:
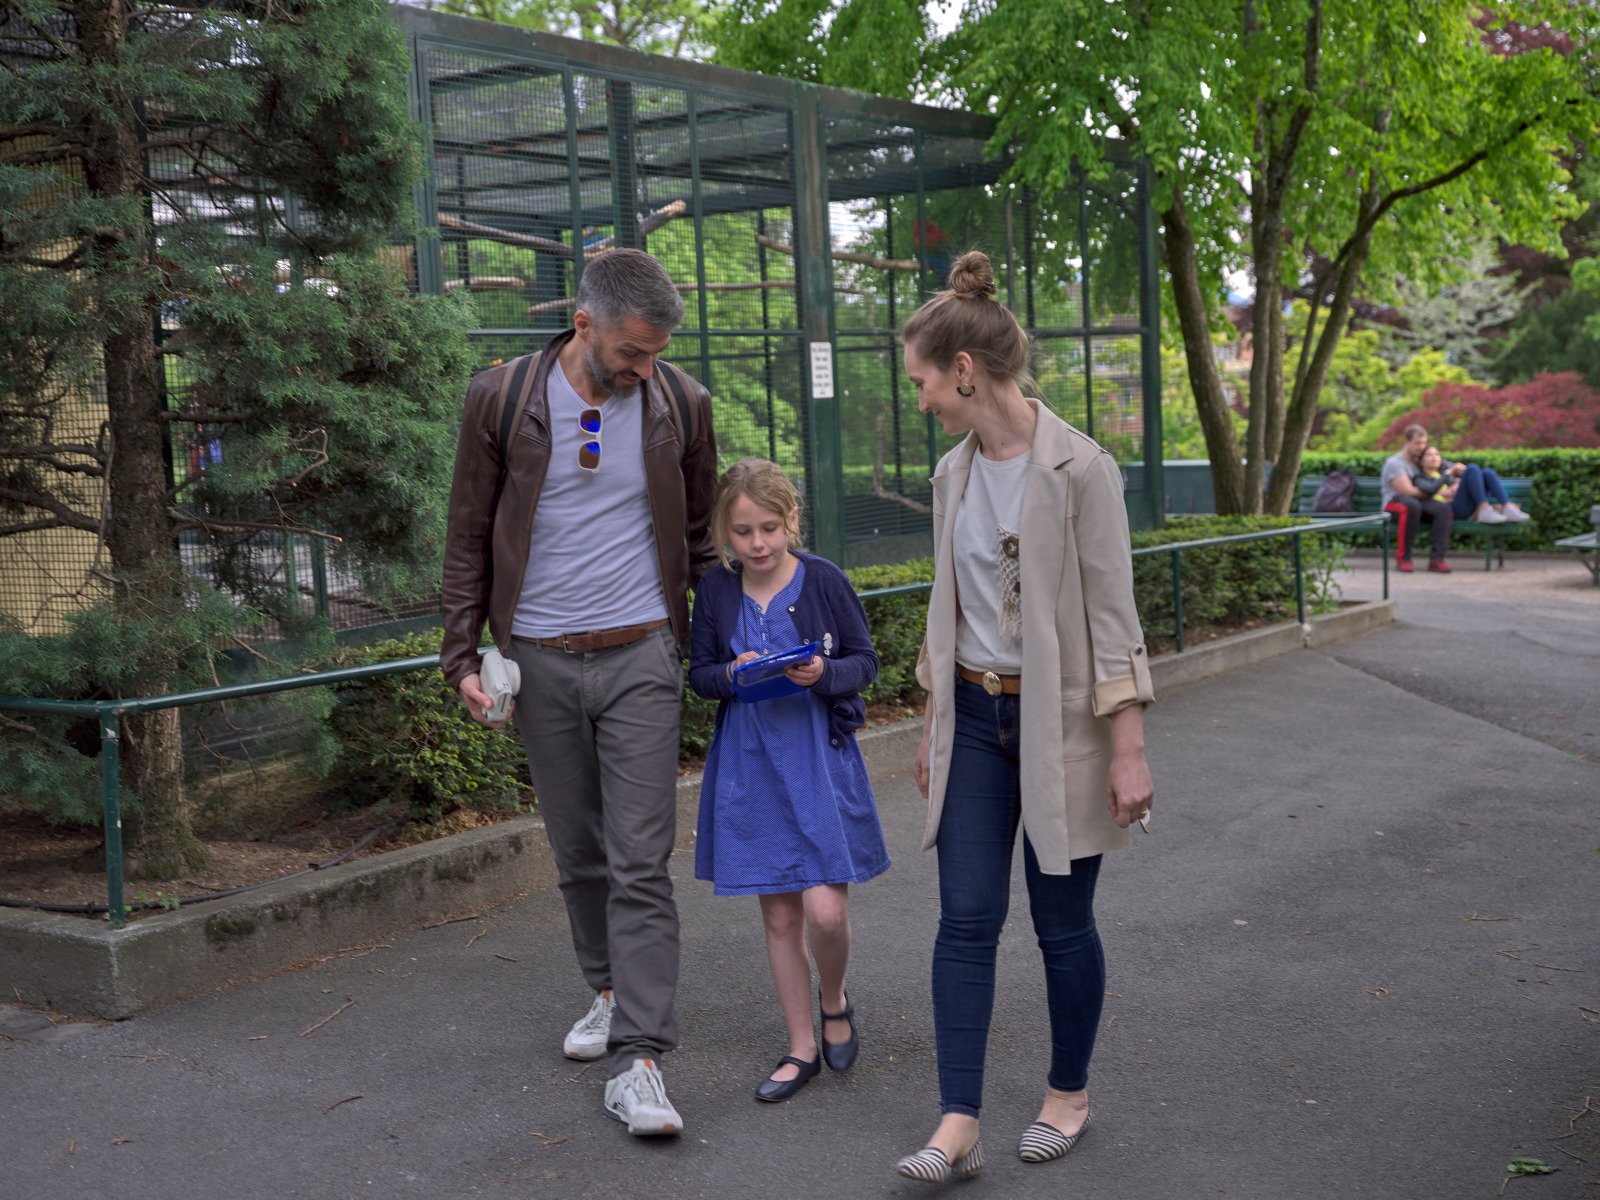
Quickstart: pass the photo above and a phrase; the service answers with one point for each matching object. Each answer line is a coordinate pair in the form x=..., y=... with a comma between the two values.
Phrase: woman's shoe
x=1512, y=513
x=774, y=1090
x=1042, y=1142
x=840, y=1056
x=1485, y=515
x=929, y=1165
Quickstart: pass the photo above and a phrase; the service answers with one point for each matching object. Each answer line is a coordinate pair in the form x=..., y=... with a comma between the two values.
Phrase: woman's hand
x=807, y=673
x=920, y=769
x=747, y=656
x=1129, y=789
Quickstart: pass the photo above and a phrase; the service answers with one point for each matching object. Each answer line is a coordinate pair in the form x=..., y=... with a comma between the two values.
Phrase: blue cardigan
x=827, y=610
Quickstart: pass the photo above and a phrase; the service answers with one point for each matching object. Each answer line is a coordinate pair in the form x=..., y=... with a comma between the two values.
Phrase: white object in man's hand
x=500, y=679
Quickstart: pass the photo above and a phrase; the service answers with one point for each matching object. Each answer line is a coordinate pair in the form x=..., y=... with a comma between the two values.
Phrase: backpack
x=509, y=408
x=1337, y=490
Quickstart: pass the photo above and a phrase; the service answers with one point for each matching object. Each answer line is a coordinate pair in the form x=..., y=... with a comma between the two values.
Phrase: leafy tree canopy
x=673, y=27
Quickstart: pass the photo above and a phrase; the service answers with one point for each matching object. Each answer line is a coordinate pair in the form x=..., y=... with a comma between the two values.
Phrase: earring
x=965, y=389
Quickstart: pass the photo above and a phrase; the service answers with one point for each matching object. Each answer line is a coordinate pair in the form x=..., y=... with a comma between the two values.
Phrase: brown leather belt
x=995, y=685
x=599, y=639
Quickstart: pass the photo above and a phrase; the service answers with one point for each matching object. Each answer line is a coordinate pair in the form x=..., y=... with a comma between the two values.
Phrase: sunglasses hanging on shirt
x=589, y=421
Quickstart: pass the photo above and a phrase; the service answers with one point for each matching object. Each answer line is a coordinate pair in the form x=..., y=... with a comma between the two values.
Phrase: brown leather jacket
x=486, y=553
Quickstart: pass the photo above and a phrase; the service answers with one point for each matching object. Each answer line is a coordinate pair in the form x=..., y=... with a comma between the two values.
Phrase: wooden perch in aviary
x=528, y=241
x=849, y=256
x=883, y=493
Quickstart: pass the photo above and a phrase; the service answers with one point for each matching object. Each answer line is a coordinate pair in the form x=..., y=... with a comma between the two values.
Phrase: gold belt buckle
x=991, y=683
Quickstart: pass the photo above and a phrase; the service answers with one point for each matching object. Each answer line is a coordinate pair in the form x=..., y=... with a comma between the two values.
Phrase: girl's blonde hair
x=767, y=487
x=968, y=317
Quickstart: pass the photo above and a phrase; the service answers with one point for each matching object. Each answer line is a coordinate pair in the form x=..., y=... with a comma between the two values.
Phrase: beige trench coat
x=1083, y=655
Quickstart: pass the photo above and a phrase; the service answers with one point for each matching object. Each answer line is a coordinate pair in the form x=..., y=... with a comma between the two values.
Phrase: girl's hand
x=806, y=674
x=747, y=656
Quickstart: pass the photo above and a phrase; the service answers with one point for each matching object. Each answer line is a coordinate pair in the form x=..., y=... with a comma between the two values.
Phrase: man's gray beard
x=597, y=372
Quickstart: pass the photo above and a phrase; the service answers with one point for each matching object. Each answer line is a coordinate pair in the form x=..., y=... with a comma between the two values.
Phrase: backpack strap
x=685, y=410
x=510, y=406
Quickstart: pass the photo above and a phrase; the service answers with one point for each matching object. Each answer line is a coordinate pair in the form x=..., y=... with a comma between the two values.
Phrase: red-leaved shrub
x=1547, y=412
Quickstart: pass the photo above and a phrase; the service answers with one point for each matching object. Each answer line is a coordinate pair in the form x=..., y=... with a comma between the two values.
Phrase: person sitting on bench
x=1412, y=508
x=1471, y=491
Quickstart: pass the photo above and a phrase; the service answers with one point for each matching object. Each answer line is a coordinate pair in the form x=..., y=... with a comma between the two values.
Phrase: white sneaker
x=586, y=1041
x=1514, y=514
x=638, y=1098
x=1487, y=516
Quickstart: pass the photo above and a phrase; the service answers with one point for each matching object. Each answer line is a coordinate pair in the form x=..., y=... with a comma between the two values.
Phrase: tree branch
x=185, y=520
x=66, y=516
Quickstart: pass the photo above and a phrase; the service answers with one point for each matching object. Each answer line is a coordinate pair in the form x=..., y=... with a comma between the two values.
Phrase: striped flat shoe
x=929, y=1165
x=1042, y=1143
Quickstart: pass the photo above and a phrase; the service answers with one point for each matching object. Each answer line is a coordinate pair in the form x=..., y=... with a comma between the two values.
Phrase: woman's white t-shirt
x=987, y=558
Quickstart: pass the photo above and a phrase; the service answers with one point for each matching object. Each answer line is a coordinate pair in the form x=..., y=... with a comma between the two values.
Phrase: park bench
x=1587, y=545
x=1369, y=494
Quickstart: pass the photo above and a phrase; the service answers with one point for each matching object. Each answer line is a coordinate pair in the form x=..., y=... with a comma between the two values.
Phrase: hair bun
x=972, y=277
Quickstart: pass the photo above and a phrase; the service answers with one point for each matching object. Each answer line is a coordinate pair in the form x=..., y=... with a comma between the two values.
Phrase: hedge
x=407, y=736
x=1565, y=483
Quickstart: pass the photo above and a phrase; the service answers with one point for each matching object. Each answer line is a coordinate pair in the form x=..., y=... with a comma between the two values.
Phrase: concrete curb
x=71, y=965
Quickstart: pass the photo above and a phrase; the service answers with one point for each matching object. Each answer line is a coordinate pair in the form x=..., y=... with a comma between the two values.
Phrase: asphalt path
x=1357, y=956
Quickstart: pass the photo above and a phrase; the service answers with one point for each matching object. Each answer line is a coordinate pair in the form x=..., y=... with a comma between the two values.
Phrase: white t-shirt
x=988, y=633
x=592, y=561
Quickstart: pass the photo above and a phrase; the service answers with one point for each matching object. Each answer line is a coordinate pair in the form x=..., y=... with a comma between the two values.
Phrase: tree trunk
x=1211, y=402
x=1302, y=409
x=139, y=537
x=1274, y=446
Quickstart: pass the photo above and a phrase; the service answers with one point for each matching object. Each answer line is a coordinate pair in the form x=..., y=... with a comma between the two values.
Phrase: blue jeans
x=1478, y=485
x=982, y=807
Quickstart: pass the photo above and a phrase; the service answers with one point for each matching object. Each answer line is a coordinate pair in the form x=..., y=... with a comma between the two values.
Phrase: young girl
x=786, y=811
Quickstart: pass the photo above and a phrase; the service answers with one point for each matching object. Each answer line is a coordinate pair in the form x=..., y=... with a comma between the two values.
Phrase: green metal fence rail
x=108, y=714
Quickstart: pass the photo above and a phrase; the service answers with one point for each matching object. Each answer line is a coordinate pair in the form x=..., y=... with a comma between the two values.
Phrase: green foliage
x=1552, y=336
x=1367, y=388
x=347, y=392
x=49, y=763
x=1529, y=1166
x=897, y=623
x=1425, y=116
x=1565, y=482
x=870, y=45
x=673, y=27
x=252, y=239
x=408, y=738
x=1234, y=583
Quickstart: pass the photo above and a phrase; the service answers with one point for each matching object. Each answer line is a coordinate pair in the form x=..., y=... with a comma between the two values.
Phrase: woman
x=1032, y=640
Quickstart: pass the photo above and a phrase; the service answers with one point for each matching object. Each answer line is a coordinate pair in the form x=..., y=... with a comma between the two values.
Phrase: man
x=578, y=541
x=1412, y=508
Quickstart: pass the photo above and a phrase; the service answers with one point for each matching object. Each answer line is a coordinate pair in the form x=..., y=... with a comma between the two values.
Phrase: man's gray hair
x=629, y=283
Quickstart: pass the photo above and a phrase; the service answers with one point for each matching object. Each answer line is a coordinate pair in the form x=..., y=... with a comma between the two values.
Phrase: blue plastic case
x=764, y=679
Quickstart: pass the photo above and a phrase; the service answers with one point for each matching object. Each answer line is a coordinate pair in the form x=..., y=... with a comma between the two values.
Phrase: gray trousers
x=601, y=732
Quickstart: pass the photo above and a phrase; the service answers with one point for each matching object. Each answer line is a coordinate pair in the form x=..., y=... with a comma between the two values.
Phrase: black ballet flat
x=841, y=1056
x=774, y=1090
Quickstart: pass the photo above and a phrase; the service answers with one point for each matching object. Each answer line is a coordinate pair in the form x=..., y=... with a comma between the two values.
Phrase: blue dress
x=782, y=809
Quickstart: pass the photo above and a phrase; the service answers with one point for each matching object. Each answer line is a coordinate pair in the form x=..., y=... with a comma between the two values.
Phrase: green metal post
x=697, y=207
x=1299, y=582
x=1085, y=299
x=111, y=802
x=814, y=271
x=1385, y=556
x=574, y=181
x=319, y=576
x=1177, y=597
x=291, y=570
x=430, y=273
